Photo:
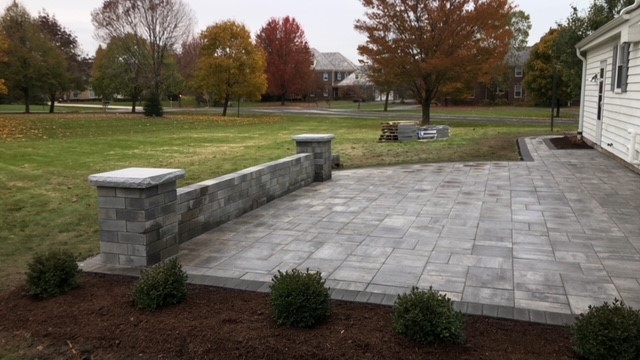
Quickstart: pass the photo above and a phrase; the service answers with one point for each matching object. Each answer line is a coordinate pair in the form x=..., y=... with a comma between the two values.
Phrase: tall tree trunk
x=426, y=111
x=27, y=105
x=52, y=103
x=283, y=98
x=133, y=104
x=386, y=101
x=226, y=105
x=557, y=107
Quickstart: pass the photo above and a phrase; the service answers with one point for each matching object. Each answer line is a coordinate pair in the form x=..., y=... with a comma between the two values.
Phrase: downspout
x=583, y=88
x=632, y=158
x=629, y=8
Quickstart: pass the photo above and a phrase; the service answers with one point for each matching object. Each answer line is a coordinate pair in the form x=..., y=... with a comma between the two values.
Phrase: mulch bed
x=569, y=142
x=98, y=321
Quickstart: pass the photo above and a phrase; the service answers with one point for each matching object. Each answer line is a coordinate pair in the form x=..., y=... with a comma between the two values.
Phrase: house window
x=325, y=92
x=517, y=91
x=499, y=91
x=519, y=71
x=339, y=76
x=325, y=76
x=620, y=67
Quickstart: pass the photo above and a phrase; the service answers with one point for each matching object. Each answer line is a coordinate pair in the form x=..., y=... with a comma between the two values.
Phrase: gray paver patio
x=554, y=235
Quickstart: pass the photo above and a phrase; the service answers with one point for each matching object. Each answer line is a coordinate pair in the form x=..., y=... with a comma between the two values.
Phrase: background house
x=329, y=69
x=610, y=100
x=507, y=86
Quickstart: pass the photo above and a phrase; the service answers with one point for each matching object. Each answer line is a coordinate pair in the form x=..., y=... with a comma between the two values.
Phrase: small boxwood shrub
x=428, y=317
x=162, y=285
x=52, y=273
x=608, y=331
x=299, y=298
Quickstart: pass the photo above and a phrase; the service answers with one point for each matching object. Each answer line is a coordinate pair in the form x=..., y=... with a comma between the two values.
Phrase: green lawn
x=47, y=203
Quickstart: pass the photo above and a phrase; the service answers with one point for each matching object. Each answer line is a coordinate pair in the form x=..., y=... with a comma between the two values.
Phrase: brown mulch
x=98, y=321
x=569, y=142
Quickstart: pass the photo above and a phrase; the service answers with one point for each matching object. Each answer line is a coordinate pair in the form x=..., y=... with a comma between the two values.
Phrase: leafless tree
x=159, y=24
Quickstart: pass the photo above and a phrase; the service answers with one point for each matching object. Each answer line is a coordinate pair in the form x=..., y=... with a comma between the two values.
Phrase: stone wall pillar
x=320, y=146
x=138, y=219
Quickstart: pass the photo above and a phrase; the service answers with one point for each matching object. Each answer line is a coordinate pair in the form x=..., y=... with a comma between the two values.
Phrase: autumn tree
x=577, y=26
x=31, y=54
x=66, y=70
x=187, y=59
x=230, y=65
x=541, y=69
x=159, y=24
x=4, y=45
x=119, y=68
x=289, y=58
x=435, y=42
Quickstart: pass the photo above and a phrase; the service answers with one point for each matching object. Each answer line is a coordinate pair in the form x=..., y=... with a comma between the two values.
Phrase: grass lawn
x=46, y=202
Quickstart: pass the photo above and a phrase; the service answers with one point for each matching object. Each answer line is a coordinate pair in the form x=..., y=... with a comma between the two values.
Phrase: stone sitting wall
x=144, y=218
x=206, y=205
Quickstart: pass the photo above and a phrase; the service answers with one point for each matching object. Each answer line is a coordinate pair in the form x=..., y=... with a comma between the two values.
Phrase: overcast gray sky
x=328, y=24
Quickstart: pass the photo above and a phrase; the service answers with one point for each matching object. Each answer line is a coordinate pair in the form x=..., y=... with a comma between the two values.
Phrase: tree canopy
x=557, y=49
x=66, y=70
x=289, y=58
x=230, y=66
x=118, y=69
x=32, y=61
x=159, y=25
x=426, y=43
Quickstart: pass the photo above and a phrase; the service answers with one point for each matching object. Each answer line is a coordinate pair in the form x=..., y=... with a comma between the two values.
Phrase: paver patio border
x=468, y=308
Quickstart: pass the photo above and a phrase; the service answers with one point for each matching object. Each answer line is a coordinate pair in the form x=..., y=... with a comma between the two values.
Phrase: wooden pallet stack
x=398, y=131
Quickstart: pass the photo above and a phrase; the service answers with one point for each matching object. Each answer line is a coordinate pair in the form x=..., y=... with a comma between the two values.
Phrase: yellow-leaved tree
x=230, y=66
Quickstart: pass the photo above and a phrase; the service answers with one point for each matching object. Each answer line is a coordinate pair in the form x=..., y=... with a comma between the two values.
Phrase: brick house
x=511, y=88
x=329, y=69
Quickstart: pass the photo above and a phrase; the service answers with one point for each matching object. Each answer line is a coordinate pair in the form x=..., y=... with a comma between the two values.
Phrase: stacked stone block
x=137, y=213
x=206, y=205
x=144, y=218
x=320, y=146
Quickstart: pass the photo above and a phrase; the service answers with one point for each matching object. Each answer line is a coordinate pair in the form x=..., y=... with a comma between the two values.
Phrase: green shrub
x=299, y=298
x=427, y=317
x=52, y=274
x=162, y=285
x=153, y=106
x=608, y=331
x=502, y=102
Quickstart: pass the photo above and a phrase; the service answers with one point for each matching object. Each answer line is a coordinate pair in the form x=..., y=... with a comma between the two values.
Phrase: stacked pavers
x=206, y=205
x=137, y=213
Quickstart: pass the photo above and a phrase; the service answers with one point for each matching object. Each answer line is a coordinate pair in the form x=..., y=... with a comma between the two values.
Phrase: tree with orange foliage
x=427, y=44
x=4, y=45
x=289, y=57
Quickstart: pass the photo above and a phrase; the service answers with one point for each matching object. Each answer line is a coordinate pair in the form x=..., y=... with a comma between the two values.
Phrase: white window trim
x=519, y=71
x=325, y=76
x=517, y=91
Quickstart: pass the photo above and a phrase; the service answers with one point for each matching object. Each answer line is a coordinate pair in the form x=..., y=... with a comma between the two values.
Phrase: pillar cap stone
x=136, y=178
x=314, y=137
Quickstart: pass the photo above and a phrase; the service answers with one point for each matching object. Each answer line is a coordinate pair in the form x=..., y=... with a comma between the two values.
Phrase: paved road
x=352, y=113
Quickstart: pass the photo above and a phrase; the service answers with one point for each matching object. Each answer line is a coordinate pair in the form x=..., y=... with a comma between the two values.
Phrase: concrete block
x=107, y=214
x=106, y=191
x=109, y=236
x=113, y=248
x=111, y=202
x=113, y=225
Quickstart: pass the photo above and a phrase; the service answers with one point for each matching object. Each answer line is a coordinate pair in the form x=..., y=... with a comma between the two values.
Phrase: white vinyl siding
x=621, y=106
